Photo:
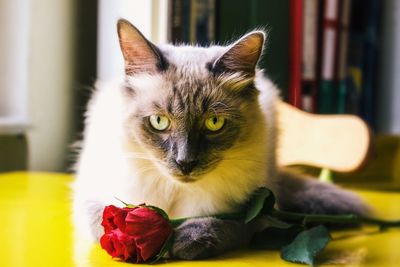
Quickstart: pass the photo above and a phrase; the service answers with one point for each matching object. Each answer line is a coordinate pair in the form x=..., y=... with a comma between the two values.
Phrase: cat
x=191, y=130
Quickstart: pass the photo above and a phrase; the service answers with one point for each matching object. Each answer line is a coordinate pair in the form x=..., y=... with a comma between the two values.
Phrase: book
x=176, y=21
x=368, y=93
x=186, y=20
x=309, y=54
x=236, y=17
x=326, y=94
x=295, y=52
x=193, y=21
x=355, y=56
x=203, y=22
x=388, y=109
x=341, y=66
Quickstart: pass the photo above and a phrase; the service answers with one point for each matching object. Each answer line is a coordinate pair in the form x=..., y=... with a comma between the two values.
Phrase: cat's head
x=187, y=106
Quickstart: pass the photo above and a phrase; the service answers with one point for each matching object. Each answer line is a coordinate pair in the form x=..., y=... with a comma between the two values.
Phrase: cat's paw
x=196, y=239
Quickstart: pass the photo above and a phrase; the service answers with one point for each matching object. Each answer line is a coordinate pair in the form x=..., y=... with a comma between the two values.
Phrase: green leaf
x=126, y=204
x=274, y=222
x=262, y=200
x=165, y=248
x=306, y=246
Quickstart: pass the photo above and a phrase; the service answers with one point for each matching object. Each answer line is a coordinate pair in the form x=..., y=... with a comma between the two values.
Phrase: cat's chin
x=185, y=179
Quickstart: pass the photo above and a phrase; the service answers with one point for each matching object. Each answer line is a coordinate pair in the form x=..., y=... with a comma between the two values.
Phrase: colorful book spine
x=388, y=109
x=203, y=30
x=341, y=69
x=296, y=22
x=186, y=20
x=368, y=95
x=309, y=54
x=355, y=56
x=211, y=29
x=326, y=94
x=176, y=21
x=193, y=21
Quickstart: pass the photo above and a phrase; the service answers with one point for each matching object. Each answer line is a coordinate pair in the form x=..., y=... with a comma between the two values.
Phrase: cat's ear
x=140, y=54
x=242, y=56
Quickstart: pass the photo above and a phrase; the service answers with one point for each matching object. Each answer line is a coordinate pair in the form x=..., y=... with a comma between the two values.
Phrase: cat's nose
x=186, y=166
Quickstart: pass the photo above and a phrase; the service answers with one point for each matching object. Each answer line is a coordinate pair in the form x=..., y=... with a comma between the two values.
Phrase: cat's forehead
x=191, y=61
x=188, y=86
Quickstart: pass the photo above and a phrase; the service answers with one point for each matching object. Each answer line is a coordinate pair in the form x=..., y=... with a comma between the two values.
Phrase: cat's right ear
x=140, y=54
x=242, y=56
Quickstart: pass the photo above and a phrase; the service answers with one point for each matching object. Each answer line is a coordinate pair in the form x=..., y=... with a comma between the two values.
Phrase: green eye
x=215, y=123
x=158, y=122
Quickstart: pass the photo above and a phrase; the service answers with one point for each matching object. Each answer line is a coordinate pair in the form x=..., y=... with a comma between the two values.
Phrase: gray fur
x=196, y=93
x=208, y=237
x=197, y=83
x=301, y=194
x=96, y=209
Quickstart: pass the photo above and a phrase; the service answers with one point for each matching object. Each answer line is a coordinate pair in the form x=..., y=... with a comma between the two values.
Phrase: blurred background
x=327, y=56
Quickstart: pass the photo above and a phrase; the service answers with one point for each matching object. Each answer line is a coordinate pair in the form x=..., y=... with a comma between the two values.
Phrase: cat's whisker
x=137, y=153
x=142, y=171
x=136, y=157
x=143, y=158
x=241, y=159
x=140, y=155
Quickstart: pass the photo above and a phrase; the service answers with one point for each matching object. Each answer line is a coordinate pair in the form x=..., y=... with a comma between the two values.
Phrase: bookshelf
x=389, y=69
x=237, y=17
x=347, y=51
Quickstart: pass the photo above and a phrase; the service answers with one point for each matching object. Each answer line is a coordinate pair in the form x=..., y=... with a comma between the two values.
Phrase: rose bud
x=114, y=218
x=119, y=245
x=150, y=231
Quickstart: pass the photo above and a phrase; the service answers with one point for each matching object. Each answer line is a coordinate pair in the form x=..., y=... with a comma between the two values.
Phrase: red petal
x=108, y=218
x=110, y=243
x=114, y=218
x=150, y=230
x=119, y=245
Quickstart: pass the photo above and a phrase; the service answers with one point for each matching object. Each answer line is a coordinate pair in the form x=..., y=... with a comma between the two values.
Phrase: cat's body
x=114, y=165
x=186, y=169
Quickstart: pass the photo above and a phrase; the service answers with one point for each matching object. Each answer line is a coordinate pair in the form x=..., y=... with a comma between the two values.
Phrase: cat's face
x=188, y=106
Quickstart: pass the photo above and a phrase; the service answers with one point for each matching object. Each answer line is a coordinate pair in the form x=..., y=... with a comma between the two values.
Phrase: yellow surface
x=35, y=230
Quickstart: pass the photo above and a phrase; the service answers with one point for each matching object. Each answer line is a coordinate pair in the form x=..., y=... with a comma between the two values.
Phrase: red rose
x=150, y=230
x=134, y=234
x=119, y=245
x=114, y=218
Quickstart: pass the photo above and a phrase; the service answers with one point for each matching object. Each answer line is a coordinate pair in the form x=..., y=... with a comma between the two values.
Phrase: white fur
x=113, y=165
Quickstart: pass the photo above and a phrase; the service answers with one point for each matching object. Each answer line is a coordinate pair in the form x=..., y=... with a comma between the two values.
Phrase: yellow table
x=35, y=230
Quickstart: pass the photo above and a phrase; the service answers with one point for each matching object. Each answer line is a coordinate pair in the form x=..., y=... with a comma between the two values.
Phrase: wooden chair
x=336, y=142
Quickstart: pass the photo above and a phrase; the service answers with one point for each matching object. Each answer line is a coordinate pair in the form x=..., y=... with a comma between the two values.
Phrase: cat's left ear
x=242, y=56
x=140, y=54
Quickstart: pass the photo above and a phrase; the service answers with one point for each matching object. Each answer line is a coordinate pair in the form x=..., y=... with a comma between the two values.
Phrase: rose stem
x=346, y=219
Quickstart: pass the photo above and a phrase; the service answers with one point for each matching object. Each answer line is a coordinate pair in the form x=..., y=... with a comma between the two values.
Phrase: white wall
x=51, y=61
x=14, y=46
x=37, y=60
x=389, y=89
x=150, y=17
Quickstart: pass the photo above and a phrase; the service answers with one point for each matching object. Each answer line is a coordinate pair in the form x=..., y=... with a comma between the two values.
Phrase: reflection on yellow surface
x=36, y=230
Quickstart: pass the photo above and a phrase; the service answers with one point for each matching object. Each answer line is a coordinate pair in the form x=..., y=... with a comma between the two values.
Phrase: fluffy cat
x=191, y=130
